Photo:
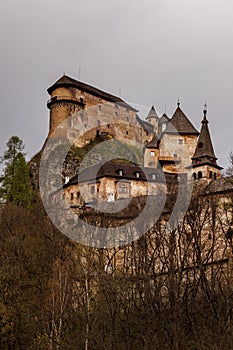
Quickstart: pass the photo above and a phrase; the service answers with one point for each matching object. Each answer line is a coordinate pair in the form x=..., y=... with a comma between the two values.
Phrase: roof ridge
x=180, y=123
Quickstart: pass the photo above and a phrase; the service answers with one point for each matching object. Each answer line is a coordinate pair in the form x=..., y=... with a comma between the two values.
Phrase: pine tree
x=15, y=182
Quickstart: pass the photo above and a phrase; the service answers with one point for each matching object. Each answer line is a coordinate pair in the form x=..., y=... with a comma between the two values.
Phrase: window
x=99, y=108
x=163, y=126
x=127, y=119
x=81, y=100
x=153, y=176
x=98, y=122
x=215, y=176
x=211, y=174
x=123, y=189
x=92, y=189
x=181, y=141
x=137, y=174
x=121, y=244
x=116, y=114
x=152, y=153
x=108, y=126
x=71, y=196
x=199, y=174
x=127, y=133
x=194, y=176
x=147, y=134
x=120, y=172
x=78, y=194
x=174, y=155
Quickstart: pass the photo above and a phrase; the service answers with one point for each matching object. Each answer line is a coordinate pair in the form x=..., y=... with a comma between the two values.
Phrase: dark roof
x=164, y=119
x=110, y=169
x=145, y=125
x=66, y=81
x=152, y=113
x=154, y=143
x=179, y=123
x=224, y=185
x=204, y=153
x=204, y=145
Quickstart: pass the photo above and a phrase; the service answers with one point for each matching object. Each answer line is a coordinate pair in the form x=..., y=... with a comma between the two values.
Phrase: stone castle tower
x=172, y=143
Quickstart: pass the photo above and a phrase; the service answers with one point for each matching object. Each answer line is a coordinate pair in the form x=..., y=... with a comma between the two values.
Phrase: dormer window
x=120, y=172
x=153, y=176
x=137, y=174
x=163, y=126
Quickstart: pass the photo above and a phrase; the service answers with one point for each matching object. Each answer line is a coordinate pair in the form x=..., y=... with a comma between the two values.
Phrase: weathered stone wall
x=178, y=146
x=97, y=116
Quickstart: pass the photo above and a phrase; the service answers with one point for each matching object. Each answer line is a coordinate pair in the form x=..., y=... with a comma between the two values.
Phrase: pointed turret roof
x=204, y=145
x=180, y=123
x=164, y=119
x=154, y=143
x=204, y=153
x=152, y=113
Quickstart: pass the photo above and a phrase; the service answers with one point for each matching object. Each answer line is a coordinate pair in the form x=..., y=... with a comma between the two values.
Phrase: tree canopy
x=15, y=181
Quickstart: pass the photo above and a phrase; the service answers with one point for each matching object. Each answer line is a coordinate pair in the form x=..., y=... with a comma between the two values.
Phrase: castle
x=171, y=147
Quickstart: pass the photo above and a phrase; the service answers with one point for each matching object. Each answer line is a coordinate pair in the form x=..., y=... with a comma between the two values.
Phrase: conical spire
x=152, y=113
x=204, y=149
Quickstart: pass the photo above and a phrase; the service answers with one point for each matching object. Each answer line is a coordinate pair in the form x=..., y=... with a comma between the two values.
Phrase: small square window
x=181, y=141
x=123, y=189
x=152, y=153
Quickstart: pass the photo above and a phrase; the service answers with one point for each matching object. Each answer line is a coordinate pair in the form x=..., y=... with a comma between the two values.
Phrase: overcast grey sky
x=156, y=50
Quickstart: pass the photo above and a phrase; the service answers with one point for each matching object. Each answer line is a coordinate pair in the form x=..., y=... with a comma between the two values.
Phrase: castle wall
x=178, y=147
x=96, y=117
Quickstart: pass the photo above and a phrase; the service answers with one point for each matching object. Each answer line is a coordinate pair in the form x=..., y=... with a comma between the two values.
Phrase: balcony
x=169, y=159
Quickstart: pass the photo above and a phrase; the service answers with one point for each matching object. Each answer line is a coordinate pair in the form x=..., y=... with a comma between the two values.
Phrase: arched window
x=194, y=176
x=211, y=174
x=199, y=174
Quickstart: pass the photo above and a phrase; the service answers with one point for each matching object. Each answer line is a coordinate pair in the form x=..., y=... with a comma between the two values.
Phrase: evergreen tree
x=15, y=182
